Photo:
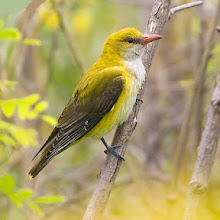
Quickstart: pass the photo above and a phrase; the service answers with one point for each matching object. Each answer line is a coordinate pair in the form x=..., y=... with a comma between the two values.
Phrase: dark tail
x=47, y=155
x=41, y=163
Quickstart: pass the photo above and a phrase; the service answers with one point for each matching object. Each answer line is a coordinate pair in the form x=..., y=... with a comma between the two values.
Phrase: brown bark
x=197, y=92
x=109, y=171
x=206, y=156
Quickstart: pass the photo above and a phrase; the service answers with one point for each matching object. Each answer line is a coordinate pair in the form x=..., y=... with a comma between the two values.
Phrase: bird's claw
x=111, y=150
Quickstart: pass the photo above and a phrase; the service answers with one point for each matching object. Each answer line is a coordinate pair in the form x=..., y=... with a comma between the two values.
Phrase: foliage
x=36, y=64
x=20, y=197
x=13, y=135
x=13, y=34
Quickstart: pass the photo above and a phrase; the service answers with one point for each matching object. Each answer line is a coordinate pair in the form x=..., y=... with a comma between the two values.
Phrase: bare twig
x=199, y=78
x=206, y=155
x=185, y=6
x=23, y=53
x=28, y=13
x=69, y=39
x=199, y=105
x=109, y=171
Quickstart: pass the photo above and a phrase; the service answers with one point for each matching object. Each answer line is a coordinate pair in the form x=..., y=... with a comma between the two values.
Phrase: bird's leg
x=138, y=100
x=111, y=150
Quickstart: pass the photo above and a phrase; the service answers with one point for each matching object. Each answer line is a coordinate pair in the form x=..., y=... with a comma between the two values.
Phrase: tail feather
x=48, y=154
x=40, y=164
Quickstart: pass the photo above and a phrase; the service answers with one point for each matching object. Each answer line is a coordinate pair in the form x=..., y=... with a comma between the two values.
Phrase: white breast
x=136, y=68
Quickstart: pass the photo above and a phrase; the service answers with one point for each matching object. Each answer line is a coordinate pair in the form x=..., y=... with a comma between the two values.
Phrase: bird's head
x=128, y=43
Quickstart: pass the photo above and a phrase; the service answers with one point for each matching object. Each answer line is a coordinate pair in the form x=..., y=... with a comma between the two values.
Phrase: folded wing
x=86, y=108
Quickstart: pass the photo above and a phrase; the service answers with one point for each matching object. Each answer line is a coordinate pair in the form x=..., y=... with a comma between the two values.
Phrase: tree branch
x=185, y=6
x=198, y=85
x=109, y=171
x=206, y=155
x=28, y=13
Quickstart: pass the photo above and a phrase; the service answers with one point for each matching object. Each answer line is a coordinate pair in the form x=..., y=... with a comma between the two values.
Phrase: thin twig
x=109, y=171
x=199, y=104
x=69, y=39
x=206, y=156
x=27, y=14
x=185, y=6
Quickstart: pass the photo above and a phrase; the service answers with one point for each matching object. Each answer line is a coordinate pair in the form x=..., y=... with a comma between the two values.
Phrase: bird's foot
x=138, y=100
x=111, y=150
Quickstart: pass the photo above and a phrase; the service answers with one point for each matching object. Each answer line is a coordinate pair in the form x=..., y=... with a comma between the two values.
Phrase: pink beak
x=150, y=37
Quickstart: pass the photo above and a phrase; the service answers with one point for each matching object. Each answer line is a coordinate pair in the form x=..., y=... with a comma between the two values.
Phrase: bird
x=103, y=98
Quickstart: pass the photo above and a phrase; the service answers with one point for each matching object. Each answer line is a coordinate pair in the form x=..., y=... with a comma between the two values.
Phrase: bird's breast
x=133, y=76
x=136, y=68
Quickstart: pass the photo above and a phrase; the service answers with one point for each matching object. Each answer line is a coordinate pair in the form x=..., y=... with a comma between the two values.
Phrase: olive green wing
x=86, y=108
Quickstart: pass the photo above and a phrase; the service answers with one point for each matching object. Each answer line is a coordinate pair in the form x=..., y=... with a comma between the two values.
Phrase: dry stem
x=185, y=6
x=109, y=171
x=198, y=85
x=206, y=156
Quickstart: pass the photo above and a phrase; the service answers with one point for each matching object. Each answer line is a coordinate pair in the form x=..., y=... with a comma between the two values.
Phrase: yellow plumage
x=103, y=98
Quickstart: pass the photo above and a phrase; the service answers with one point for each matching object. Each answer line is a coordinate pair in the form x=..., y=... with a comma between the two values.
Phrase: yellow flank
x=103, y=98
x=119, y=112
x=122, y=108
x=111, y=63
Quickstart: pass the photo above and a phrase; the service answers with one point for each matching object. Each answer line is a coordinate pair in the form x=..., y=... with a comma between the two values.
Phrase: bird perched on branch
x=103, y=98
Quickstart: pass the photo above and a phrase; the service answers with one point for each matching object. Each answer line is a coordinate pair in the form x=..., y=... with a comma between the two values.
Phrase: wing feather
x=79, y=117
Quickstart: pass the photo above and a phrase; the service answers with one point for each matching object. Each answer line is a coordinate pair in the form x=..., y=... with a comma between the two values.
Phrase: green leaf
x=41, y=106
x=10, y=34
x=49, y=119
x=35, y=207
x=24, y=136
x=32, y=41
x=16, y=200
x=24, y=193
x=50, y=199
x=32, y=99
x=7, y=183
x=8, y=108
x=23, y=109
x=8, y=140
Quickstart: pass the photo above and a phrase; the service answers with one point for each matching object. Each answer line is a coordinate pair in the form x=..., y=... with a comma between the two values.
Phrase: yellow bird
x=103, y=98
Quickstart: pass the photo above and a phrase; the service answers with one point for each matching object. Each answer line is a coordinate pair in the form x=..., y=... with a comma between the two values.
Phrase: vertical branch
x=206, y=156
x=23, y=56
x=199, y=106
x=27, y=14
x=198, y=85
x=109, y=171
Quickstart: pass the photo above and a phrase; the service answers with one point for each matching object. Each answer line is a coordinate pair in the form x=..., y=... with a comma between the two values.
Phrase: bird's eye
x=130, y=40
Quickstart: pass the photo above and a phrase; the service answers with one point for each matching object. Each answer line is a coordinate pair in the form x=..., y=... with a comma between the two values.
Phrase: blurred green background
x=42, y=58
